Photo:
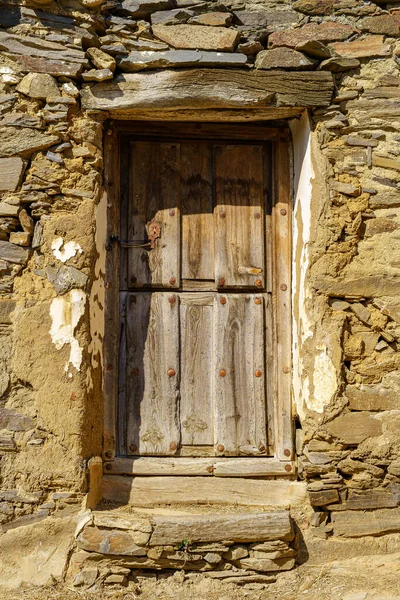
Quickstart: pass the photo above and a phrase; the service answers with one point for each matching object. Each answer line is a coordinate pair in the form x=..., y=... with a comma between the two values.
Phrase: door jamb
x=283, y=462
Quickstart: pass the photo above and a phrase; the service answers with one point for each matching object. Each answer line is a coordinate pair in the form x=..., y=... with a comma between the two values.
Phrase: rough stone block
x=11, y=170
x=142, y=8
x=373, y=397
x=38, y=85
x=322, y=32
x=101, y=60
x=20, y=238
x=370, y=499
x=13, y=421
x=113, y=542
x=213, y=19
x=338, y=64
x=23, y=141
x=139, y=61
x=323, y=497
x=372, y=46
x=266, y=564
x=360, y=523
x=8, y=210
x=381, y=24
x=13, y=254
x=197, y=37
x=354, y=427
x=284, y=58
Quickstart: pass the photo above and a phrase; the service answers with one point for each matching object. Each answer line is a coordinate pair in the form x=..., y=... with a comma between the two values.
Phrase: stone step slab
x=147, y=60
x=356, y=524
x=256, y=527
x=197, y=36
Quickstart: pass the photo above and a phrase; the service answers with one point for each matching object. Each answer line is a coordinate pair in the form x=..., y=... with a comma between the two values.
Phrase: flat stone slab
x=360, y=523
x=146, y=60
x=23, y=141
x=255, y=527
x=210, y=88
x=201, y=37
x=373, y=45
x=11, y=170
x=106, y=541
x=13, y=254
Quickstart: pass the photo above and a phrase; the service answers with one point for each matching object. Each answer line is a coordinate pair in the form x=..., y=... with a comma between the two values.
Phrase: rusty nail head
x=222, y=300
x=283, y=211
x=172, y=281
x=221, y=282
x=286, y=370
x=172, y=299
x=222, y=214
x=220, y=448
x=257, y=301
x=286, y=452
x=133, y=447
x=171, y=372
x=257, y=216
x=109, y=368
x=108, y=466
x=108, y=454
x=288, y=468
x=173, y=446
x=258, y=373
x=283, y=287
x=210, y=469
x=172, y=212
x=258, y=282
x=135, y=372
x=222, y=372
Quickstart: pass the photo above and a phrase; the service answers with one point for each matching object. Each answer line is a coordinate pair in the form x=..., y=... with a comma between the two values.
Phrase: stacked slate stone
x=51, y=165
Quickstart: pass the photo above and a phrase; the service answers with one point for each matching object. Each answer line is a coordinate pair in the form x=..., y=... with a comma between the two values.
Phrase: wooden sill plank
x=152, y=491
x=250, y=467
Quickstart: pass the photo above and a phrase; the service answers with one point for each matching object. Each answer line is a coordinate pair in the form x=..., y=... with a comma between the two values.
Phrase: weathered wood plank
x=248, y=467
x=281, y=219
x=162, y=466
x=210, y=88
x=209, y=115
x=153, y=371
x=150, y=491
x=155, y=197
x=111, y=317
x=253, y=527
x=196, y=403
x=240, y=411
x=239, y=216
x=197, y=211
x=198, y=131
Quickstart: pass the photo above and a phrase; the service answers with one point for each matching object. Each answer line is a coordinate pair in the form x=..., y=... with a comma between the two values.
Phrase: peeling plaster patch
x=65, y=314
x=302, y=329
x=325, y=380
x=65, y=251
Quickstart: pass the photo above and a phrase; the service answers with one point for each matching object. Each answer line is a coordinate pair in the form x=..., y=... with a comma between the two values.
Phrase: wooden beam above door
x=210, y=94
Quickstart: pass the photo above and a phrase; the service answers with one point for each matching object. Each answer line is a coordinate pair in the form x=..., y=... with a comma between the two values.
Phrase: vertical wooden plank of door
x=122, y=375
x=155, y=197
x=239, y=216
x=197, y=211
x=282, y=278
x=239, y=372
x=196, y=407
x=153, y=365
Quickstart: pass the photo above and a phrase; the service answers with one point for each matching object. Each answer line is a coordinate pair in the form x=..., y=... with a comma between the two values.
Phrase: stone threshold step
x=260, y=542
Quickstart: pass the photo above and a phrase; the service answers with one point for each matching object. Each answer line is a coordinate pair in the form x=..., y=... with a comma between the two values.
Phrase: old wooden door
x=195, y=335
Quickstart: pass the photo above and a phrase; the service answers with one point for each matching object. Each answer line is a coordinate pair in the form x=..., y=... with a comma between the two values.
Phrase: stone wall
x=347, y=311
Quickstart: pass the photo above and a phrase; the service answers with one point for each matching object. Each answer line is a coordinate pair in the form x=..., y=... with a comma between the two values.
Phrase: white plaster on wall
x=65, y=313
x=65, y=251
x=303, y=175
x=325, y=380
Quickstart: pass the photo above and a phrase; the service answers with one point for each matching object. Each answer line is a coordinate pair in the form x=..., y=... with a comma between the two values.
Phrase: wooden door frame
x=283, y=462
